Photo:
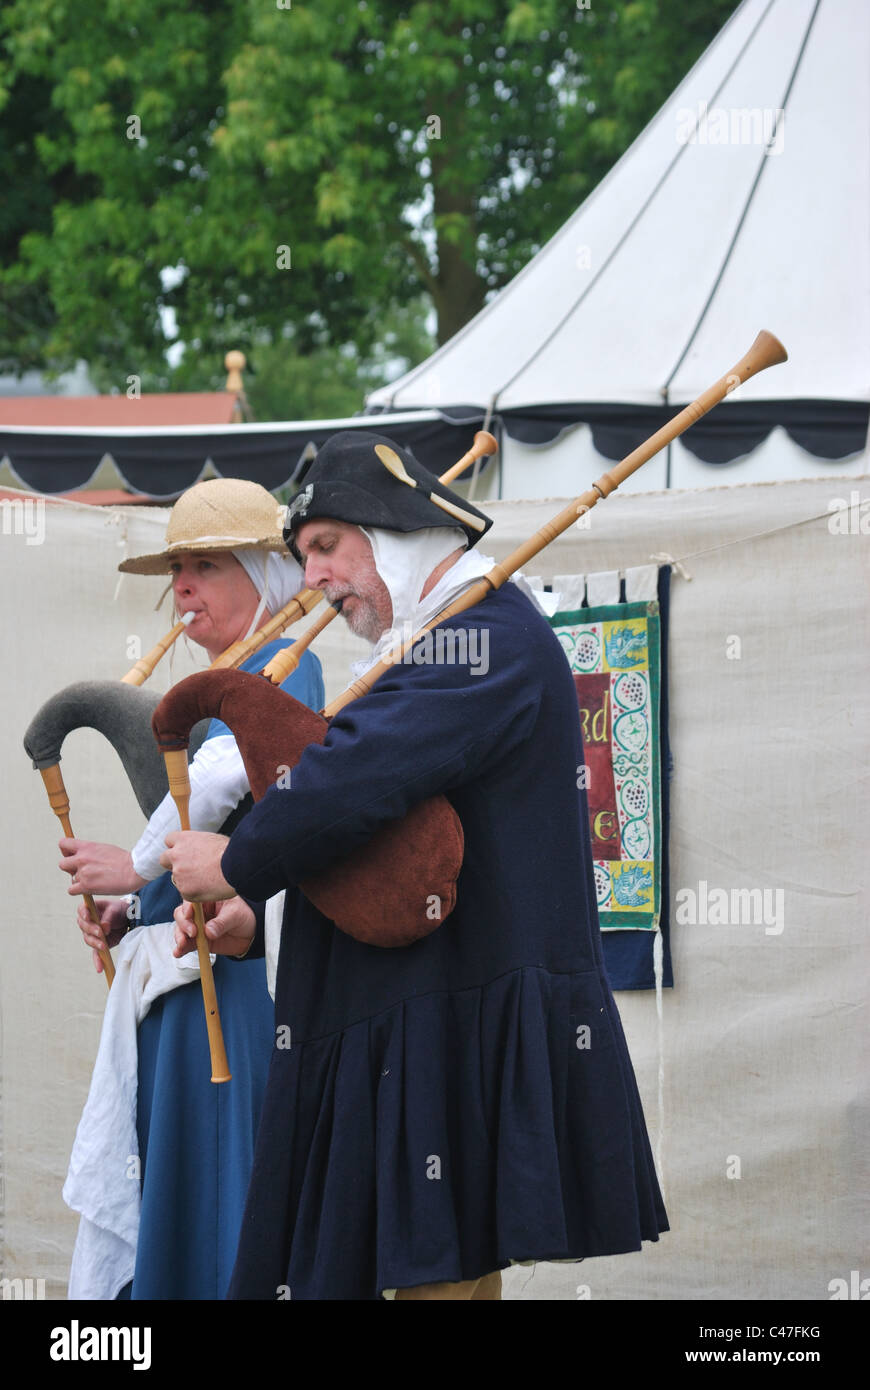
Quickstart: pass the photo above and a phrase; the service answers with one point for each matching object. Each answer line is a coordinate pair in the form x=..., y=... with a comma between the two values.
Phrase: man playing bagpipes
x=439, y=1110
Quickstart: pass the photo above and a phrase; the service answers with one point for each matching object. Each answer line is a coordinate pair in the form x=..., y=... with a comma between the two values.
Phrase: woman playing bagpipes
x=189, y=1143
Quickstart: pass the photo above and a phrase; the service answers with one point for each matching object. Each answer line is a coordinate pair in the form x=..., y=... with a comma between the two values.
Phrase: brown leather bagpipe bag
x=383, y=892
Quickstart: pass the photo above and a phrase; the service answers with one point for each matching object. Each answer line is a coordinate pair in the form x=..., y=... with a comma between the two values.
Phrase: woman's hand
x=229, y=927
x=114, y=924
x=194, y=858
x=97, y=868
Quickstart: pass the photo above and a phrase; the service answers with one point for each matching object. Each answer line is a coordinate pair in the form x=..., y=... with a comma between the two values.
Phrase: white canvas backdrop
x=762, y=1040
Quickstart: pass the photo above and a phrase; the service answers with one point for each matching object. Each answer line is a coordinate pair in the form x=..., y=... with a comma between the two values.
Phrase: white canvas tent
x=761, y=1042
x=744, y=204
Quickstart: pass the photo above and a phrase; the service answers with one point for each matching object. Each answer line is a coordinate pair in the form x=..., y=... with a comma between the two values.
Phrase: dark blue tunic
x=196, y=1140
x=451, y=1106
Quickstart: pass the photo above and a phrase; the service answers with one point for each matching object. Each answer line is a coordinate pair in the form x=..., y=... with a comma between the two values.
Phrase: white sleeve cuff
x=274, y=917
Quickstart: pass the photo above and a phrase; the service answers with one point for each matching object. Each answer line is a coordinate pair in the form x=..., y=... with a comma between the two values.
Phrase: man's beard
x=371, y=600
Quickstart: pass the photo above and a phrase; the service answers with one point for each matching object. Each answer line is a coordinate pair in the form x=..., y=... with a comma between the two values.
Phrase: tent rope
x=863, y=506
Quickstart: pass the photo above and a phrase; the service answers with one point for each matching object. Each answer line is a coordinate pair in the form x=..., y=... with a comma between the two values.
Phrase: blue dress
x=447, y=1107
x=196, y=1139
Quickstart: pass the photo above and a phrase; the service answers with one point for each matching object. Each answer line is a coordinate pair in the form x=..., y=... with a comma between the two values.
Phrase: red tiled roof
x=176, y=408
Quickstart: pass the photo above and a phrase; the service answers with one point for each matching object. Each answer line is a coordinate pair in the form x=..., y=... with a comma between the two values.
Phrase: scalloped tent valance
x=162, y=463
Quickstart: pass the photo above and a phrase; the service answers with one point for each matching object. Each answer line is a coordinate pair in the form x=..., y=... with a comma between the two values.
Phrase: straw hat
x=222, y=514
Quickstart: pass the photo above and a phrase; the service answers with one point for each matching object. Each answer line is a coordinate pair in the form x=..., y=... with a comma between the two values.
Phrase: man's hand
x=229, y=932
x=97, y=868
x=114, y=924
x=194, y=858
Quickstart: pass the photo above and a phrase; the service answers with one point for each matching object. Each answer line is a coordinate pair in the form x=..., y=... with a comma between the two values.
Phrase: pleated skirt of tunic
x=446, y=1137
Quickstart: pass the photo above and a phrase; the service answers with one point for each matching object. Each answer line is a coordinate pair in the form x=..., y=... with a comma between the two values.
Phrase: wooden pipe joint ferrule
x=58, y=797
x=605, y=485
x=497, y=576
x=137, y=675
x=282, y=665
x=177, y=773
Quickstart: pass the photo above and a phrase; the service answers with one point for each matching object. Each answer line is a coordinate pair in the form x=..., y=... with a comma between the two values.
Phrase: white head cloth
x=277, y=578
x=404, y=561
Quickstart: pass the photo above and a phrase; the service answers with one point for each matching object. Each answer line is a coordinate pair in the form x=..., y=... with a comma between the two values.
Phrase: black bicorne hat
x=349, y=482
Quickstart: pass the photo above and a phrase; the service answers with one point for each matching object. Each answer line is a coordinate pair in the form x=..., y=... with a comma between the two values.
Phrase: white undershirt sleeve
x=218, y=781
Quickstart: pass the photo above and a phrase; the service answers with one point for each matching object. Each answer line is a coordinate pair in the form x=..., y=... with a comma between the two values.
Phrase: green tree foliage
x=332, y=381
x=283, y=383
x=303, y=168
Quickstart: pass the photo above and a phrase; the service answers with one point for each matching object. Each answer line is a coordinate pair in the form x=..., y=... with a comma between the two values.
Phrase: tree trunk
x=458, y=292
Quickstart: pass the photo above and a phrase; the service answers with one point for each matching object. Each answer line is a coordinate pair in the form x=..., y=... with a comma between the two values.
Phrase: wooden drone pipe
x=179, y=786
x=59, y=802
x=234, y=655
x=766, y=351
x=484, y=444
x=283, y=663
